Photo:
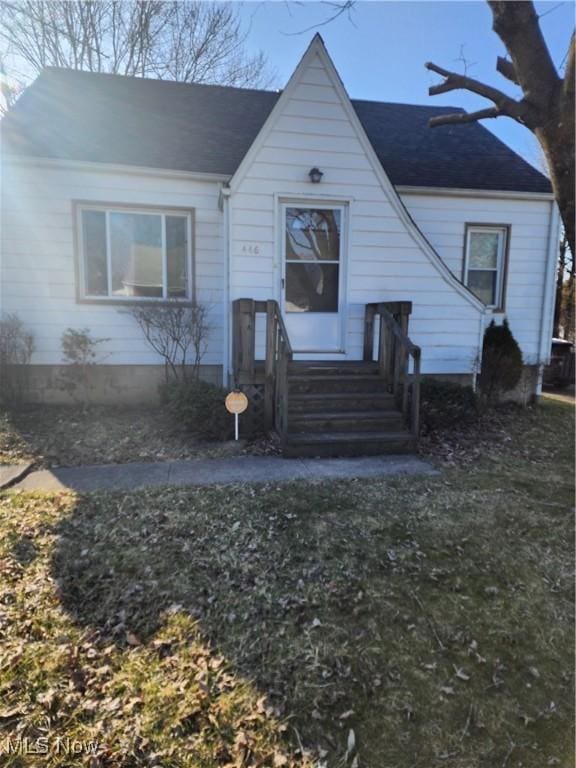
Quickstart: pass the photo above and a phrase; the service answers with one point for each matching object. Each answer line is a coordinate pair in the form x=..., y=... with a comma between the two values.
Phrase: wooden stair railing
x=278, y=355
x=393, y=355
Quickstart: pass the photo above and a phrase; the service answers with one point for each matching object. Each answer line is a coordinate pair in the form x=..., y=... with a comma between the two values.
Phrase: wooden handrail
x=394, y=351
x=278, y=355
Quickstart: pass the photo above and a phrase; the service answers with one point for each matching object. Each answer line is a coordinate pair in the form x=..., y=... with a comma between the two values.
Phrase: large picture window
x=485, y=262
x=132, y=254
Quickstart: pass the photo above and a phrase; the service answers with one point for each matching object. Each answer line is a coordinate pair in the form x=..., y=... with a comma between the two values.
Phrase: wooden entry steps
x=342, y=409
x=333, y=408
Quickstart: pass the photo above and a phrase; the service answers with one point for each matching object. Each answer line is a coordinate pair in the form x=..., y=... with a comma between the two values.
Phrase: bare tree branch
x=187, y=41
x=506, y=69
x=547, y=105
x=453, y=82
x=464, y=117
x=346, y=6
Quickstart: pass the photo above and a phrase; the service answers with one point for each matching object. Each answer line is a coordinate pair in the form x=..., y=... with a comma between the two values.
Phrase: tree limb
x=453, y=82
x=570, y=73
x=507, y=69
x=464, y=117
x=516, y=24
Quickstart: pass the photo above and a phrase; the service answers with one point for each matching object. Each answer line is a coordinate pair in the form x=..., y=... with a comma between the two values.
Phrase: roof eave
x=100, y=167
x=404, y=189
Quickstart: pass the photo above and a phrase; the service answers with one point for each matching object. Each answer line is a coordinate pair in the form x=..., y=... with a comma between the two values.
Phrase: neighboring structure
x=121, y=189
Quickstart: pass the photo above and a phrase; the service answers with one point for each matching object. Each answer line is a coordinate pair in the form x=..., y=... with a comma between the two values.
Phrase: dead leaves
x=72, y=435
x=360, y=608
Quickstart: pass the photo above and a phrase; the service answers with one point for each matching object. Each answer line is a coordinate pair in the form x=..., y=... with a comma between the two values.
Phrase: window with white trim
x=484, y=262
x=134, y=253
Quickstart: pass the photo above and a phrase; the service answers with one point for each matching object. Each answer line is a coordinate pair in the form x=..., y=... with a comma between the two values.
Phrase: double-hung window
x=485, y=262
x=135, y=253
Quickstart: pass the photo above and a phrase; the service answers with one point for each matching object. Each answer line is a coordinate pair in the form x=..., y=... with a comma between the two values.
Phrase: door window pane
x=177, y=255
x=94, y=249
x=136, y=254
x=312, y=234
x=483, y=285
x=484, y=250
x=311, y=287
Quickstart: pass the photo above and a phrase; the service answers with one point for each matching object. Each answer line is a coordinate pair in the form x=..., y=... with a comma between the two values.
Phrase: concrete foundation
x=523, y=393
x=139, y=384
x=108, y=384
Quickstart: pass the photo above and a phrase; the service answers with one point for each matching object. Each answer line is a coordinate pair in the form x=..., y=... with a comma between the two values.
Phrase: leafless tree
x=565, y=282
x=188, y=41
x=547, y=104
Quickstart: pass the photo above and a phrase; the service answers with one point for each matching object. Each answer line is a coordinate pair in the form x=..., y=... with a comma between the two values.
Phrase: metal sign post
x=236, y=402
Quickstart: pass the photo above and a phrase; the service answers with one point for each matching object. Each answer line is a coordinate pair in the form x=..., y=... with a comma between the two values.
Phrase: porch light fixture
x=315, y=175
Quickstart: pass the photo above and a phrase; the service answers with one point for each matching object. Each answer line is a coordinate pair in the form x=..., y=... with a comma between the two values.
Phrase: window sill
x=137, y=302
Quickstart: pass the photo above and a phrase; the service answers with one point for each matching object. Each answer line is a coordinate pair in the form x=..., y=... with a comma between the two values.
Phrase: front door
x=312, y=276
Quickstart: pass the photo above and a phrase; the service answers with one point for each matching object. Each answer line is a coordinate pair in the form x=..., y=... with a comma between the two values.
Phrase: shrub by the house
x=16, y=348
x=79, y=350
x=198, y=407
x=178, y=333
x=502, y=364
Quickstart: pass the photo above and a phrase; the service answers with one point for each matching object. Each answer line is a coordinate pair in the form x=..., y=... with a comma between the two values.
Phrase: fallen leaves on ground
x=53, y=435
x=399, y=622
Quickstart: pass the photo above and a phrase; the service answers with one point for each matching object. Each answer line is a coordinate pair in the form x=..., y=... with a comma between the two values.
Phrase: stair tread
x=333, y=376
x=355, y=437
x=340, y=395
x=360, y=415
x=334, y=364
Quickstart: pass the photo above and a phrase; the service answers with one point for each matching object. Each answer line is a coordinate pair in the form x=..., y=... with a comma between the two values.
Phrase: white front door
x=312, y=276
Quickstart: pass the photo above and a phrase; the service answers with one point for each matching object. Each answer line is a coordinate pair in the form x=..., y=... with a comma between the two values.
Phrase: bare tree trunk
x=560, y=281
x=547, y=104
x=551, y=97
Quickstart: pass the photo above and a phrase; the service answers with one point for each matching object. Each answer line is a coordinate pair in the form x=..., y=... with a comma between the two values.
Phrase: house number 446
x=251, y=249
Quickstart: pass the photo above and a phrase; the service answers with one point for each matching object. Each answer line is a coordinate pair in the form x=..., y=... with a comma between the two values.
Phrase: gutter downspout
x=477, y=362
x=225, y=199
x=548, y=297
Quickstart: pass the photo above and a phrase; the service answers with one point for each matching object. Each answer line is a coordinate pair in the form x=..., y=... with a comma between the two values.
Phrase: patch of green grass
x=404, y=622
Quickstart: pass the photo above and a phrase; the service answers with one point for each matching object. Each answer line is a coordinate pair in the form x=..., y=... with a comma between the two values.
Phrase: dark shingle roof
x=76, y=115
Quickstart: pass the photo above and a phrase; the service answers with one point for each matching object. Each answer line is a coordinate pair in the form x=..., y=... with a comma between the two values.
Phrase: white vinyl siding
x=383, y=260
x=38, y=255
x=442, y=218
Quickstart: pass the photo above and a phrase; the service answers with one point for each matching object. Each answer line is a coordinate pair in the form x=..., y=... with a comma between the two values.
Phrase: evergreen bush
x=501, y=367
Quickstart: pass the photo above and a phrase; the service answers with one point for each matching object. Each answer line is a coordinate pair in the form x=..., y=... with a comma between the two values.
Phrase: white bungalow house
x=348, y=225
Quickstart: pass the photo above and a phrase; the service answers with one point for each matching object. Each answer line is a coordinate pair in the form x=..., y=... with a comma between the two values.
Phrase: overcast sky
x=381, y=49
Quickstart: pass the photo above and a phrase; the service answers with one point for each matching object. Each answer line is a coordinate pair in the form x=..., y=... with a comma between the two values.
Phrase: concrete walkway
x=241, y=469
x=10, y=474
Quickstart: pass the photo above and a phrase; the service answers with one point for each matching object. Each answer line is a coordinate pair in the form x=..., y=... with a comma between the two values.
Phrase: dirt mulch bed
x=510, y=427
x=73, y=436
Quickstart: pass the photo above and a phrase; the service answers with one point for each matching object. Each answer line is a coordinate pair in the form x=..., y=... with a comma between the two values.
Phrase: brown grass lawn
x=405, y=623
